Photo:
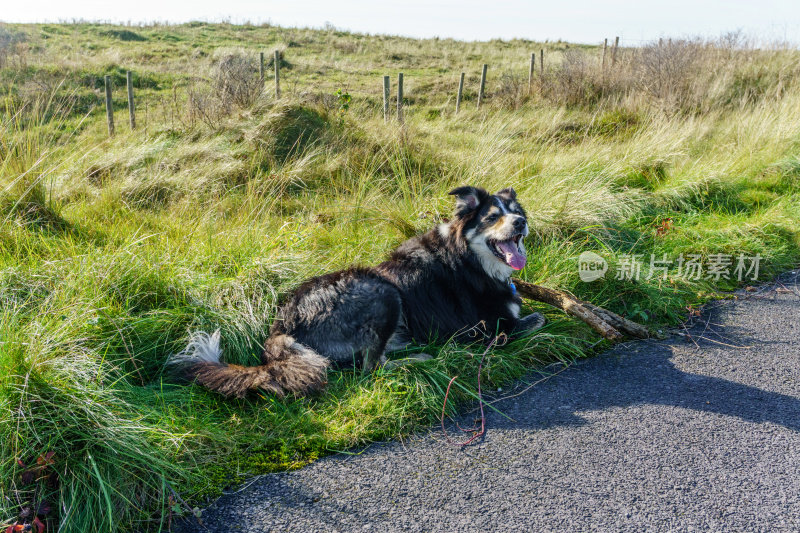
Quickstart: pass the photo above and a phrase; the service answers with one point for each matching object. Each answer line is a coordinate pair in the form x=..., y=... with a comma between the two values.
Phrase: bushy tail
x=289, y=367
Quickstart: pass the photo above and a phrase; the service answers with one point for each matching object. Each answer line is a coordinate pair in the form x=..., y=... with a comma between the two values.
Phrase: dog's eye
x=492, y=218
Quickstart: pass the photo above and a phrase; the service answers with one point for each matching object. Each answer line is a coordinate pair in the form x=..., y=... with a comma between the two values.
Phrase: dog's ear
x=468, y=198
x=507, y=193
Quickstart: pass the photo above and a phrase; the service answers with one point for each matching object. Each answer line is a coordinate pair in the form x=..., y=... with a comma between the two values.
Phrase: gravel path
x=695, y=433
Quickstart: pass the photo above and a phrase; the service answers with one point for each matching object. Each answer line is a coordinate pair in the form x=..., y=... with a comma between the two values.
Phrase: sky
x=587, y=21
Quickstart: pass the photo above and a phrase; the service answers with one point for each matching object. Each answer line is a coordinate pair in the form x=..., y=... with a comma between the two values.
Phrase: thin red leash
x=476, y=434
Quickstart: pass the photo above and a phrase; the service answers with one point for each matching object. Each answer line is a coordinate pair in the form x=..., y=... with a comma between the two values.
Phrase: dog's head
x=493, y=226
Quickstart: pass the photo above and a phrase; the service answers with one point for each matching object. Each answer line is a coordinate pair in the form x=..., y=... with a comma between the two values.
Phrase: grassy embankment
x=113, y=250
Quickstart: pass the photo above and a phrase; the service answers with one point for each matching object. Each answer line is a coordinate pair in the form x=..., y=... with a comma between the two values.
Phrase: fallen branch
x=608, y=324
x=628, y=327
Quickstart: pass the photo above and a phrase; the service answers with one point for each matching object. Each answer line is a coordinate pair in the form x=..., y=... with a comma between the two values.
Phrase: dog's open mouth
x=510, y=251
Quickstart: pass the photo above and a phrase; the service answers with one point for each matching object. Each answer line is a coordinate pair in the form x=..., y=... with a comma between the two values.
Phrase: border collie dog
x=452, y=281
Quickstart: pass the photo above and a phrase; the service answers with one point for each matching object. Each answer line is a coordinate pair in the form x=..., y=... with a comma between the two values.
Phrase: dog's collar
x=512, y=287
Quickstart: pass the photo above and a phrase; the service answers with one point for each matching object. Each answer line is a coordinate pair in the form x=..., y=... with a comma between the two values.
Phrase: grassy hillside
x=113, y=250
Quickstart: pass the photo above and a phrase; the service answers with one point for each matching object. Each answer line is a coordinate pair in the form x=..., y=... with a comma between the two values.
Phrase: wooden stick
x=530, y=72
x=460, y=93
x=385, y=99
x=261, y=66
x=569, y=305
x=483, y=84
x=541, y=62
x=620, y=323
x=614, y=51
x=400, y=97
x=605, y=47
x=131, y=106
x=277, y=74
x=572, y=306
x=109, y=106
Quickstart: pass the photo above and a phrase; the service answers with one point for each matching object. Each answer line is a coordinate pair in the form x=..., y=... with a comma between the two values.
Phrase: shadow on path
x=646, y=373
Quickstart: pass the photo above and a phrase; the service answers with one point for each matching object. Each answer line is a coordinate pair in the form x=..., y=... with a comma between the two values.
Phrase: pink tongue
x=514, y=259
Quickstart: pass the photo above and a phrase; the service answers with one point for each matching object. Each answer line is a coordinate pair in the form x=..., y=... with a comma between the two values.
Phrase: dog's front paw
x=530, y=323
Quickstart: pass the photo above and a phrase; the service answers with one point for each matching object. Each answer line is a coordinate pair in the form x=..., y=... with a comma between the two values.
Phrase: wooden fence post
x=261, y=66
x=614, y=51
x=541, y=62
x=109, y=106
x=131, y=106
x=277, y=74
x=400, y=97
x=460, y=92
x=605, y=47
x=483, y=84
x=386, y=99
x=530, y=72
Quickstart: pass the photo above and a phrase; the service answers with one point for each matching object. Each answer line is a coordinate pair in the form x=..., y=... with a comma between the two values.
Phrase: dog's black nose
x=519, y=223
